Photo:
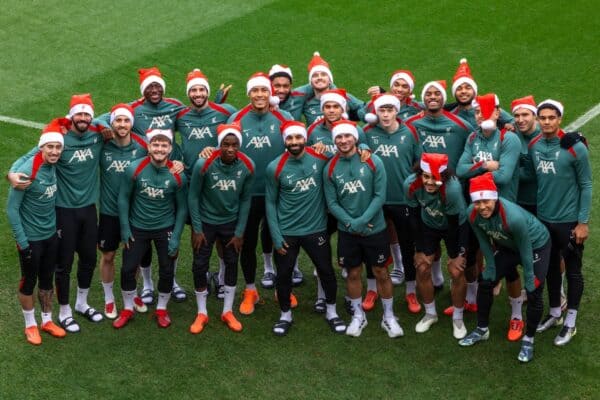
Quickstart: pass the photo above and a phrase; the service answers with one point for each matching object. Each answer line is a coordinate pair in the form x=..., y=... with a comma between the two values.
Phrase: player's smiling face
x=51, y=152
x=401, y=89
x=332, y=111
x=524, y=119
x=295, y=144
x=154, y=93
x=198, y=96
x=464, y=94
x=429, y=182
x=434, y=100
x=81, y=121
x=345, y=143
x=386, y=115
x=320, y=81
x=549, y=121
x=259, y=97
x=122, y=126
x=485, y=208
x=282, y=87
x=159, y=149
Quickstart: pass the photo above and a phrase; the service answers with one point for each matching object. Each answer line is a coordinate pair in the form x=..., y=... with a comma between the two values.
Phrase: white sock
x=320, y=291
x=528, y=339
x=175, y=284
x=46, y=317
x=555, y=311
x=64, y=312
x=388, y=307
x=430, y=308
x=163, y=300
x=201, y=301
x=562, y=285
x=147, y=277
x=397, y=256
x=286, y=316
x=357, y=307
x=372, y=285
x=268, y=263
x=331, y=311
x=571, y=318
x=128, y=297
x=411, y=287
x=108, y=292
x=81, y=303
x=516, y=304
x=472, y=287
x=458, y=313
x=228, y=299
x=29, y=318
x=437, y=277
x=221, y=275
x=251, y=286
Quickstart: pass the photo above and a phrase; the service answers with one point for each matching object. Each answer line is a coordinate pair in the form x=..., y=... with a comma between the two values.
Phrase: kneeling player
x=219, y=201
x=508, y=236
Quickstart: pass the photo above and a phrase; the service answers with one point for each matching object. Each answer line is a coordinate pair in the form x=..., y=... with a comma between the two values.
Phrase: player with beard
x=149, y=188
x=561, y=164
x=320, y=79
x=402, y=84
x=115, y=157
x=152, y=111
x=32, y=216
x=76, y=218
x=399, y=149
x=464, y=89
x=197, y=124
x=290, y=100
x=219, y=201
x=437, y=212
x=508, y=236
x=296, y=212
x=440, y=132
x=355, y=193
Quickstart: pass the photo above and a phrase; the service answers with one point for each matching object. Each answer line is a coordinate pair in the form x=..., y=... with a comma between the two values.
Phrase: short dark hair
x=550, y=107
x=280, y=74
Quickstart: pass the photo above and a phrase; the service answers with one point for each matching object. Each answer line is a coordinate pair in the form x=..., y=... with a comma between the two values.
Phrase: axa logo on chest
x=81, y=155
x=118, y=166
x=434, y=141
x=353, y=187
x=224, y=185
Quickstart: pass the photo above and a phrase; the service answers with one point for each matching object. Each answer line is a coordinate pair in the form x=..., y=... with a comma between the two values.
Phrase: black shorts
x=373, y=250
x=37, y=265
x=109, y=233
x=433, y=237
x=507, y=260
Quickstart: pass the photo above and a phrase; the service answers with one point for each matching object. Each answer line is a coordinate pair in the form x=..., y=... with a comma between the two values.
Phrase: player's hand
x=319, y=148
x=198, y=240
x=283, y=250
x=422, y=259
x=127, y=240
x=491, y=165
x=206, y=152
x=365, y=155
x=236, y=242
x=177, y=167
x=18, y=180
x=373, y=91
x=225, y=90
x=458, y=263
x=580, y=232
x=107, y=133
x=26, y=252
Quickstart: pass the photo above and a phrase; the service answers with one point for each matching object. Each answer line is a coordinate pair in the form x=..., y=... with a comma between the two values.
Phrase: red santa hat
x=149, y=76
x=53, y=132
x=196, y=77
x=280, y=70
x=344, y=126
x=317, y=64
x=526, y=102
x=440, y=85
x=487, y=104
x=482, y=187
x=463, y=75
x=293, y=128
x=81, y=103
x=554, y=104
x=152, y=133
x=405, y=75
x=228, y=129
x=434, y=164
x=338, y=96
x=121, y=109
x=260, y=79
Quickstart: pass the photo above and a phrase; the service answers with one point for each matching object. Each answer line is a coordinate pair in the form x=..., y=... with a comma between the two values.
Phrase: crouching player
x=33, y=220
x=219, y=202
x=152, y=208
x=508, y=236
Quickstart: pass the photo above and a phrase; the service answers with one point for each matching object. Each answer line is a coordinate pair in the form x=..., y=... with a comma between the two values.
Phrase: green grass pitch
x=53, y=49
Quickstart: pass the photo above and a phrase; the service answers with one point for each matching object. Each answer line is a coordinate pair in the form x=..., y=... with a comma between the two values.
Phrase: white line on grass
x=584, y=119
x=22, y=122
